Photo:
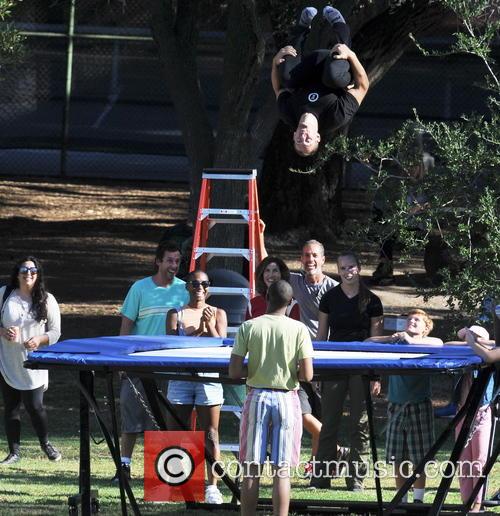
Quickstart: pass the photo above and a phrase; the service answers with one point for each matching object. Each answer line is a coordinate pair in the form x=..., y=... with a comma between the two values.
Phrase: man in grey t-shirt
x=310, y=284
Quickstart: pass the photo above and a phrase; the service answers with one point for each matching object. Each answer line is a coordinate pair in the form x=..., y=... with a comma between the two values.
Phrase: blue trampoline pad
x=170, y=353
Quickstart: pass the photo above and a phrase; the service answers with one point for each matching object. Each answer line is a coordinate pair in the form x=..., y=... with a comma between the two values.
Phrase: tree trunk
x=174, y=26
x=235, y=144
x=293, y=200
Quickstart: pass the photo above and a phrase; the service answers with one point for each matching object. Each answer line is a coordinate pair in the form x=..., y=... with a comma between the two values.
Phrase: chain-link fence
x=89, y=99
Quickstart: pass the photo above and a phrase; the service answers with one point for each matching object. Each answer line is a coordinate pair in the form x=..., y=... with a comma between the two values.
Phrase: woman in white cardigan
x=30, y=319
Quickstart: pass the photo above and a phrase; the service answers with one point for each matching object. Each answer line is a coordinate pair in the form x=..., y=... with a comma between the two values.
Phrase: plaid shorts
x=271, y=418
x=410, y=431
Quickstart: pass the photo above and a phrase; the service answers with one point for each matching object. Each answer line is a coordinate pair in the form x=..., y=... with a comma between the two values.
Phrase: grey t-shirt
x=308, y=296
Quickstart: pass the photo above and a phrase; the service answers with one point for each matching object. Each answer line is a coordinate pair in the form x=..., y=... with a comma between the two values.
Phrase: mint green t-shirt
x=147, y=304
x=275, y=344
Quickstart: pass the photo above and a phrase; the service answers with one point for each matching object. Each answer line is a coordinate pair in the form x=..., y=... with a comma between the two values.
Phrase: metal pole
x=87, y=380
x=116, y=438
x=67, y=92
x=373, y=443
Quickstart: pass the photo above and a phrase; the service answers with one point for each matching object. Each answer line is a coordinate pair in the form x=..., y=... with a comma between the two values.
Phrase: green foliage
x=455, y=202
x=10, y=39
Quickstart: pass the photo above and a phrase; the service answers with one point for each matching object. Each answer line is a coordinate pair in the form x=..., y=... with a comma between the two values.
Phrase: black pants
x=334, y=395
x=317, y=66
x=33, y=402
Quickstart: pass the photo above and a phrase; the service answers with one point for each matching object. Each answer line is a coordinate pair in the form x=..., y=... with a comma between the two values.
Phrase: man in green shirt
x=279, y=355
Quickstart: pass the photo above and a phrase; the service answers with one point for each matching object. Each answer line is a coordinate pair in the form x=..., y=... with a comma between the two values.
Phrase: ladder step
x=205, y=212
x=232, y=174
x=221, y=251
x=229, y=447
x=236, y=409
x=226, y=221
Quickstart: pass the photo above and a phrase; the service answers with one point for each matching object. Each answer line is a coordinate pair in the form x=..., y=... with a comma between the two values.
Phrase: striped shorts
x=271, y=417
x=410, y=431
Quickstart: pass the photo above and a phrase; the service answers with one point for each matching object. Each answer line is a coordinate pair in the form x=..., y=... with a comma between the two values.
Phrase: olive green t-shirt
x=275, y=344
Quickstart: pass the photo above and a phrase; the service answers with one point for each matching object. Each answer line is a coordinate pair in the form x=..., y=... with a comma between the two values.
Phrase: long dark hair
x=260, y=286
x=364, y=295
x=38, y=294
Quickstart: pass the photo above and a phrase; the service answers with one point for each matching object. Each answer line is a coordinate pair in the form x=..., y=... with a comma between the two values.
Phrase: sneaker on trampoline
x=332, y=15
x=213, y=495
x=125, y=472
x=306, y=16
x=52, y=452
x=448, y=411
x=11, y=458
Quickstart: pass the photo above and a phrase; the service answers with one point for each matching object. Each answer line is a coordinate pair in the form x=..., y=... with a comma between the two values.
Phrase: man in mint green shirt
x=144, y=313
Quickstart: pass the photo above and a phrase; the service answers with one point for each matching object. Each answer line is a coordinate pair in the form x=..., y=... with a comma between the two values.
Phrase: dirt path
x=95, y=238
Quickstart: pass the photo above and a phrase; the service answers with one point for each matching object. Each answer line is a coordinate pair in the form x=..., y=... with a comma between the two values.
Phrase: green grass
x=40, y=487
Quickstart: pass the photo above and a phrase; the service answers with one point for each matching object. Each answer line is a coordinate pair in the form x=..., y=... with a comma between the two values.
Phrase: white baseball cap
x=480, y=332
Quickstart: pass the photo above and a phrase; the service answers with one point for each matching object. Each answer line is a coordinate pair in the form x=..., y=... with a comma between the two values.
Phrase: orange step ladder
x=208, y=217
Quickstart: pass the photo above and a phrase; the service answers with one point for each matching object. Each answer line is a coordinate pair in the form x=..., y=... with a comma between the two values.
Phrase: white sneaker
x=213, y=495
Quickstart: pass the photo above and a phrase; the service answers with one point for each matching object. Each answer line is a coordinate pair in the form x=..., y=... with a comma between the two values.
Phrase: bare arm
x=172, y=328
x=361, y=82
x=237, y=369
x=277, y=60
x=221, y=323
x=380, y=338
x=479, y=346
x=427, y=341
x=376, y=326
x=322, y=327
x=126, y=326
x=305, y=369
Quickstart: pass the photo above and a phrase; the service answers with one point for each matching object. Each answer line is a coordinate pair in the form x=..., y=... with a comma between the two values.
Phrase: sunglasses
x=197, y=284
x=25, y=270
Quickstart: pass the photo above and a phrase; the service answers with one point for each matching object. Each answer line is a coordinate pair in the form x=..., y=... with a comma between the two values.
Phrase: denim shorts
x=195, y=393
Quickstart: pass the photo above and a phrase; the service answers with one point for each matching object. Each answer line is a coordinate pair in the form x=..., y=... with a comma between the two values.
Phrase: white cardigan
x=17, y=312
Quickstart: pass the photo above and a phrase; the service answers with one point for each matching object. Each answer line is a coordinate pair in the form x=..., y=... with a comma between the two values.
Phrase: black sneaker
x=52, y=452
x=11, y=458
x=125, y=472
